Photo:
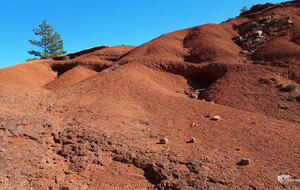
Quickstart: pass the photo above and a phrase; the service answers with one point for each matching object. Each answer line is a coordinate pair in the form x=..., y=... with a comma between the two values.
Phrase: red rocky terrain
x=210, y=107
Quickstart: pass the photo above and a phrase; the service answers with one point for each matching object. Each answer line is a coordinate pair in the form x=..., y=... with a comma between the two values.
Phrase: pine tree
x=51, y=43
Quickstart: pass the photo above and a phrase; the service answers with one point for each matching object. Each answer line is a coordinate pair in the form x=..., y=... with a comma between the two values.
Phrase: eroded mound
x=24, y=76
x=209, y=42
x=70, y=78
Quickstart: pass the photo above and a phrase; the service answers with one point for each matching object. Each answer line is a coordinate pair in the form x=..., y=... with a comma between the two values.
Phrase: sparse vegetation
x=244, y=9
x=264, y=19
x=274, y=21
x=296, y=94
x=259, y=31
x=257, y=41
x=287, y=87
x=291, y=88
x=66, y=57
x=253, y=24
x=282, y=86
x=286, y=15
x=229, y=19
x=31, y=59
x=268, y=80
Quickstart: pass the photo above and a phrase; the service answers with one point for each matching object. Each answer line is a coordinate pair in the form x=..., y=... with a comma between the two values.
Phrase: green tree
x=51, y=43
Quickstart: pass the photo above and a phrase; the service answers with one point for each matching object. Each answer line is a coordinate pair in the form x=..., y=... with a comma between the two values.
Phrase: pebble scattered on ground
x=192, y=140
x=215, y=118
x=164, y=140
x=244, y=162
x=195, y=96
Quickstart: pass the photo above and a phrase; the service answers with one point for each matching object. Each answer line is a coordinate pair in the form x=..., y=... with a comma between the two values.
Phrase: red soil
x=94, y=121
x=70, y=78
x=26, y=75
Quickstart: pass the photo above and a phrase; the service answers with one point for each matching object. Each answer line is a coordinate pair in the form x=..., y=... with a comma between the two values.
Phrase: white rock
x=216, y=117
x=194, y=96
x=192, y=140
x=259, y=33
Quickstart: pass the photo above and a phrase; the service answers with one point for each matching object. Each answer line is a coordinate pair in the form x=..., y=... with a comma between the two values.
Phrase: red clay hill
x=210, y=107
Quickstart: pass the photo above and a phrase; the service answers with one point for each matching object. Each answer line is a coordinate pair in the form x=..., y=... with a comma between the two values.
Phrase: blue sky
x=87, y=23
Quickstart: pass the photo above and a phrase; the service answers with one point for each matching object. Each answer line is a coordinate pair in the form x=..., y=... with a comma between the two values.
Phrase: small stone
x=244, y=52
x=2, y=150
x=244, y=162
x=69, y=172
x=207, y=116
x=216, y=117
x=290, y=22
x=193, y=124
x=195, y=96
x=164, y=140
x=259, y=33
x=192, y=140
